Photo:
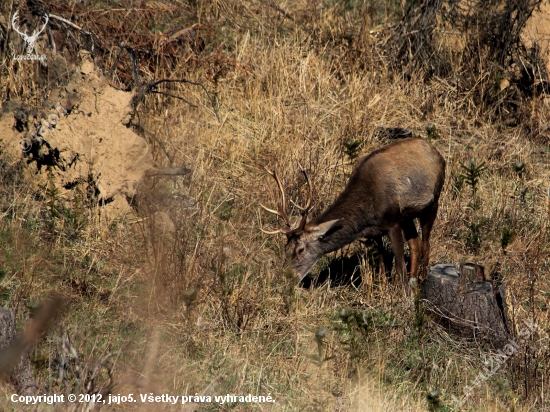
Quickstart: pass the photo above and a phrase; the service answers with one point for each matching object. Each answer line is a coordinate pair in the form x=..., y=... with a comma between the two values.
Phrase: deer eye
x=300, y=250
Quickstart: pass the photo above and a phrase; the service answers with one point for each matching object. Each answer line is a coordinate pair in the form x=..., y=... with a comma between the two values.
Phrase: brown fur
x=387, y=190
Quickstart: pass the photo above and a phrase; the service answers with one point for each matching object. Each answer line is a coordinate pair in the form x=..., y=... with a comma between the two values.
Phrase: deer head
x=303, y=247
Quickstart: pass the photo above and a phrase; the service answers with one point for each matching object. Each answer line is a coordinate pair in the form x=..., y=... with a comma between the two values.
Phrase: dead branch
x=152, y=88
x=74, y=26
x=143, y=130
x=168, y=171
x=285, y=13
x=135, y=73
x=69, y=23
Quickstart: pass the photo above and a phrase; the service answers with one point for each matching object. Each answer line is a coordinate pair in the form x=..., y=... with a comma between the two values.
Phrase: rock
x=87, y=66
x=11, y=105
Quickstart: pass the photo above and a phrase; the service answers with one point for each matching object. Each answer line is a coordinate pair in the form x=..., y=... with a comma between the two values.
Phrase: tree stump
x=19, y=371
x=466, y=304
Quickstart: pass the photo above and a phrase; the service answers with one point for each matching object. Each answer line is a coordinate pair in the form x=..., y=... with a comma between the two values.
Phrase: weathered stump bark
x=21, y=374
x=466, y=304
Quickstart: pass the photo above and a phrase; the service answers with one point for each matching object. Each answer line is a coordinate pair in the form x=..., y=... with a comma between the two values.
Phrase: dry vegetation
x=185, y=295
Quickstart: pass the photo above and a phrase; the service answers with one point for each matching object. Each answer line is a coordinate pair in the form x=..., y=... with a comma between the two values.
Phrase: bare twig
x=175, y=97
x=52, y=40
x=278, y=9
x=69, y=23
x=74, y=26
x=135, y=73
x=167, y=171
x=152, y=88
x=8, y=32
x=143, y=130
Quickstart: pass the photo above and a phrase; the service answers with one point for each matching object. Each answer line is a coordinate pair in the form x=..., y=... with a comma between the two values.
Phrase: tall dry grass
x=192, y=293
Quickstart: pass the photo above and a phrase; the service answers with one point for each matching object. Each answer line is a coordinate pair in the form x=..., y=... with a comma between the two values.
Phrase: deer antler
x=305, y=210
x=281, y=212
x=29, y=40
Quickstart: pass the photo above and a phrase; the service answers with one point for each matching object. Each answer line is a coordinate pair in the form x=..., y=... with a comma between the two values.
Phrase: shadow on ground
x=343, y=271
x=346, y=271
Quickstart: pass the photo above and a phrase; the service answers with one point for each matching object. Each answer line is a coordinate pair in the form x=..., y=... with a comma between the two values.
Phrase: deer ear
x=322, y=229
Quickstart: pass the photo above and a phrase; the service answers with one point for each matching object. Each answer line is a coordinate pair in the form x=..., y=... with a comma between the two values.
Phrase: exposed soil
x=82, y=138
x=538, y=30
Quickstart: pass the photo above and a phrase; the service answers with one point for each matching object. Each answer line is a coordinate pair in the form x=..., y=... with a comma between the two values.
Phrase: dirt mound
x=537, y=31
x=80, y=143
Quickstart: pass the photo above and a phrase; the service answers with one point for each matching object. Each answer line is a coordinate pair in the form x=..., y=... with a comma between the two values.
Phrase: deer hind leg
x=398, y=248
x=415, y=245
x=427, y=220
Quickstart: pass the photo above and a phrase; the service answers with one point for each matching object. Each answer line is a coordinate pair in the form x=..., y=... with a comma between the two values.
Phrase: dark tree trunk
x=21, y=374
x=466, y=304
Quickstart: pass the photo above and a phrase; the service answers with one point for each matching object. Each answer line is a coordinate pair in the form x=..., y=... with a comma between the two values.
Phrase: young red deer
x=387, y=190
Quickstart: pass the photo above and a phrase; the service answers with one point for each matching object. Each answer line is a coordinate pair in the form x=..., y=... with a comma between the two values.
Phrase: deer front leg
x=381, y=256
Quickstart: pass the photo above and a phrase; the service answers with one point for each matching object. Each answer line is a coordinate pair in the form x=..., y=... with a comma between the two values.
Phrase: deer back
x=395, y=182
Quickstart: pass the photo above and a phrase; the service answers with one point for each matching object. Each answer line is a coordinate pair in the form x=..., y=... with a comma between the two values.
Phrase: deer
x=387, y=190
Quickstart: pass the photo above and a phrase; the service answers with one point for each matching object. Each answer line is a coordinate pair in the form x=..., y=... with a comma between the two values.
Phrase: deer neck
x=354, y=224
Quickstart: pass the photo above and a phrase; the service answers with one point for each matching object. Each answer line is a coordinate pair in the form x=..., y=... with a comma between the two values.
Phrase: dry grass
x=191, y=292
